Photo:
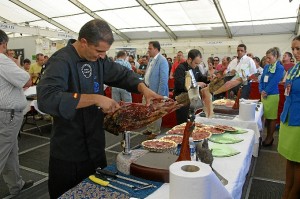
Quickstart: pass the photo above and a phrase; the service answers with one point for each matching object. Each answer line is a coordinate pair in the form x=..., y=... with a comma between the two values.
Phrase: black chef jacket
x=78, y=134
x=179, y=76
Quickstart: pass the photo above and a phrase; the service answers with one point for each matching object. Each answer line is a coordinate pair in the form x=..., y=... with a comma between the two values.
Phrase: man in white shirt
x=243, y=67
x=12, y=103
x=242, y=63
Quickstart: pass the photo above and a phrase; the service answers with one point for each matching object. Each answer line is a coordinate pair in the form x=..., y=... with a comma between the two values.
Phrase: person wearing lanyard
x=12, y=103
x=71, y=90
x=268, y=87
x=289, y=132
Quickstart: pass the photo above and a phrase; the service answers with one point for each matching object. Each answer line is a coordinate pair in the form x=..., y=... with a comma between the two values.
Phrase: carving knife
x=115, y=175
x=99, y=181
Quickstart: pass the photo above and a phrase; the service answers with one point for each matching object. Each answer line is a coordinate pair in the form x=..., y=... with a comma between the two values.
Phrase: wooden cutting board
x=226, y=110
x=153, y=166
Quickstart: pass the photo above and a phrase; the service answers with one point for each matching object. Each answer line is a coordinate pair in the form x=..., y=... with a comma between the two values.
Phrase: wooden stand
x=185, y=153
x=237, y=100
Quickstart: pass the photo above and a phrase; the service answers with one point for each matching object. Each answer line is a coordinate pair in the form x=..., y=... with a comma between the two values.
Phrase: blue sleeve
x=164, y=77
x=128, y=65
x=261, y=81
x=276, y=78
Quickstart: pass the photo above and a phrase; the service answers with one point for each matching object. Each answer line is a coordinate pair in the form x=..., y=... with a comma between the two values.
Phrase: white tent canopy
x=151, y=19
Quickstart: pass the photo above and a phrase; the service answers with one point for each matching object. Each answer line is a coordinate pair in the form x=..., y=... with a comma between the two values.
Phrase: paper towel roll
x=247, y=111
x=189, y=179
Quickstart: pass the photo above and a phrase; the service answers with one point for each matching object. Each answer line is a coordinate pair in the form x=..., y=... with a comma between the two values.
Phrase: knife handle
x=107, y=173
x=98, y=180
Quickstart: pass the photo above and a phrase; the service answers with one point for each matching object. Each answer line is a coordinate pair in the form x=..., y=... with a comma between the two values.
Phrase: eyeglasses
x=216, y=60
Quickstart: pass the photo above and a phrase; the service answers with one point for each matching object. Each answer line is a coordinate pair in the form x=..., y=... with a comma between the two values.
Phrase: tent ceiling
x=153, y=19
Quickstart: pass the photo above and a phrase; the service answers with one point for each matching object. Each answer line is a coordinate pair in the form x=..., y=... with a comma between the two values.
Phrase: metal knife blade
x=223, y=180
x=136, y=181
x=115, y=175
x=122, y=183
x=117, y=188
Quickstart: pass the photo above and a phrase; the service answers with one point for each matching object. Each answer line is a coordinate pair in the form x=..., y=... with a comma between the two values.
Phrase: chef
x=71, y=90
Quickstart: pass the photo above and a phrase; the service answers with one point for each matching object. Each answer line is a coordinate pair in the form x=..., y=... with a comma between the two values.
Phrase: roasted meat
x=132, y=116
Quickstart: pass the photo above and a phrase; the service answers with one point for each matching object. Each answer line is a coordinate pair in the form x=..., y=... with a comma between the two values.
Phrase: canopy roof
x=153, y=19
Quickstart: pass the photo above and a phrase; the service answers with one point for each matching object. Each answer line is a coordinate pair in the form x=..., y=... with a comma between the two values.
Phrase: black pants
x=246, y=91
x=182, y=114
x=64, y=175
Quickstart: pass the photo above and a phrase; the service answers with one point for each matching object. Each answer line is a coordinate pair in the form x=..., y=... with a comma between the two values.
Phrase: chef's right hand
x=148, y=93
x=107, y=105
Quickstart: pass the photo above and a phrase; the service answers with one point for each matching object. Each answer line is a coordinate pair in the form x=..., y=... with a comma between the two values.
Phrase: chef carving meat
x=71, y=90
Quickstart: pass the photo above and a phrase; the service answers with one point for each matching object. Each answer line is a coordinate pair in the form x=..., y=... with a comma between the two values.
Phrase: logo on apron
x=86, y=70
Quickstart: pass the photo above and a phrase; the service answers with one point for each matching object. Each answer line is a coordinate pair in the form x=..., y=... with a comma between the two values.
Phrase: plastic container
x=192, y=148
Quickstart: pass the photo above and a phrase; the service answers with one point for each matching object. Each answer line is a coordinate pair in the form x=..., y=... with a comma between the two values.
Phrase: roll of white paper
x=247, y=111
x=191, y=179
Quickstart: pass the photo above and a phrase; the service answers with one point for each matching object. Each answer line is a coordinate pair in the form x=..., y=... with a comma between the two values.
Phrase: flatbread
x=224, y=102
x=214, y=130
x=158, y=145
x=176, y=138
x=226, y=128
x=175, y=131
x=200, y=134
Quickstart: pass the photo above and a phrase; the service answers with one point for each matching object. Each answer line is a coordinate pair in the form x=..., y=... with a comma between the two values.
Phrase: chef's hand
x=148, y=93
x=107, y=105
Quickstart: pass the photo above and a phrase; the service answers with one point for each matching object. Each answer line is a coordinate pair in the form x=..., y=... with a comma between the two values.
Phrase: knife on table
x=115, y=175
x=104, y=183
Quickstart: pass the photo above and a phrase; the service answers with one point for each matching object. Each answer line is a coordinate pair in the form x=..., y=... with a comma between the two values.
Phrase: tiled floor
x=265, y=178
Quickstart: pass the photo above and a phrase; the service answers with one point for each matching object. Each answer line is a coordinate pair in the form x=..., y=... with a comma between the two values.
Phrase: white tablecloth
x=256, y=126
x=234, y=168
x=29, y=92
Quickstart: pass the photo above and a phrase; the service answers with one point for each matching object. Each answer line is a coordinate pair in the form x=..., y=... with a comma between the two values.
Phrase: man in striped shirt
x=12, y=103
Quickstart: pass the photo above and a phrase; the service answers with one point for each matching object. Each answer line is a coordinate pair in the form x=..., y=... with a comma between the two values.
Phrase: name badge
x=266, y=78
x=287, y=90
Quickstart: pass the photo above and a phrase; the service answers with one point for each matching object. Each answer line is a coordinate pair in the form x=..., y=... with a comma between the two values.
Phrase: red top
x=219, y=67
x=288, y=66
x=176, y=64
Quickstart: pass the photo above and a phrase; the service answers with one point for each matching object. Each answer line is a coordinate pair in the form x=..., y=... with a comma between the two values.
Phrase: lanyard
x=294, y=72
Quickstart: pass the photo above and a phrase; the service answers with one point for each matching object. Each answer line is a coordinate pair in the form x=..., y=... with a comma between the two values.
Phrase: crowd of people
x=70, y=88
